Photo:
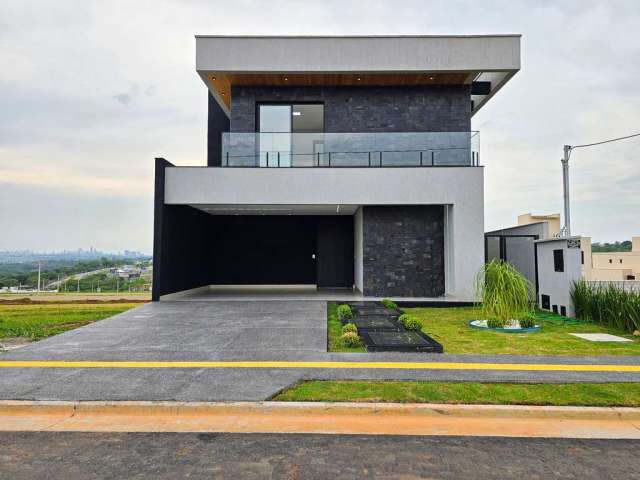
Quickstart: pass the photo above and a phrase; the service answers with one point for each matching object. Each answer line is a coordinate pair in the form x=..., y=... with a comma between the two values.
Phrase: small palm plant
x=505, y=294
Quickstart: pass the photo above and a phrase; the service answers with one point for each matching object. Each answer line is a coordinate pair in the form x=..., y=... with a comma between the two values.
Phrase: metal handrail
x=243, y=149
x=474, y=161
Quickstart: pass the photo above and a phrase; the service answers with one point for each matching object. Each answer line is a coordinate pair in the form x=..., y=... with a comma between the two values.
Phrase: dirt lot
x=43, y=299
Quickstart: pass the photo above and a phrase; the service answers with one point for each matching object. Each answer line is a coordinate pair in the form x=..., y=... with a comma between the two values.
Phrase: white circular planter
x=513, y=327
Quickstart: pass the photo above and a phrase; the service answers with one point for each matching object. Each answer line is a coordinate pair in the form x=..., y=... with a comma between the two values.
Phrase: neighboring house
x=615, y=266
x=551, y=222
x=517, y=244
x=553, y=263
x=335, y=162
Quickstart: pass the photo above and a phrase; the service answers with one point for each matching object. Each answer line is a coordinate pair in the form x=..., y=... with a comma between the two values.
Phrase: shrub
x=349, y=327
x=351, y=339
x=410, y=322
x=527, y=321
x=344, y=312
x=390, y=304
x=505, y=293
x=496, y=323
x=606, y=304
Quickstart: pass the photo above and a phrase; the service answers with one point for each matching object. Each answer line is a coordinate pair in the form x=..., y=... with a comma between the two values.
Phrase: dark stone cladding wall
x=365, y=109
x=217, y=122
x=403, y=251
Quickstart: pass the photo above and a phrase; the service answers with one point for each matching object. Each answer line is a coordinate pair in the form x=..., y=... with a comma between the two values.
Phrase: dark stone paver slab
x=375, y=323
x=403, y=341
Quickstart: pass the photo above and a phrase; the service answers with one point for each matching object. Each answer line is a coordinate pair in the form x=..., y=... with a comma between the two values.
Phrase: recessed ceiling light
x=286, y=78
x=431, y=78
x=213, y=78
x=359, y=79
x=223, y=93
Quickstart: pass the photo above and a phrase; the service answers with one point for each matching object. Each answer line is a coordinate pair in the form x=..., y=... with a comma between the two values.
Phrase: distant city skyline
x=26, y=256
x=96, y=90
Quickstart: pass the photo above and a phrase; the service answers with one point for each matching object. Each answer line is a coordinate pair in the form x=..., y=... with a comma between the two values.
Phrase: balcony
x=384, y=149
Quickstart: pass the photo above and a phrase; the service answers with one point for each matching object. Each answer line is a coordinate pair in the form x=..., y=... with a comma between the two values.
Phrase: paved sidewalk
x=290, y=331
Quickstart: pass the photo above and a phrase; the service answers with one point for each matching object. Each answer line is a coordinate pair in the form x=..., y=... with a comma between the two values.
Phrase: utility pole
x=566, y=230
x=38, y=276
x=78, y=285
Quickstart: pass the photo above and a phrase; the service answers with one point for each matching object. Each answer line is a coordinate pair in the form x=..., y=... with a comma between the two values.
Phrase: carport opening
x=311, y=250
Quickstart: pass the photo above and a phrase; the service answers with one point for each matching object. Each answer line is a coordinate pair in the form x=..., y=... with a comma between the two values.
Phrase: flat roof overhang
x=486, y=61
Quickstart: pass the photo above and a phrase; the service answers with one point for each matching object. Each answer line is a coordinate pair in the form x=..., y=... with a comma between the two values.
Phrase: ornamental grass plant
x=505, y=293
x=606, y=304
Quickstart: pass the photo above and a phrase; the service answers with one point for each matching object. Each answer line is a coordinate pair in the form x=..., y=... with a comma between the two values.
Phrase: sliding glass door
x=275, y=135
x=290, y=134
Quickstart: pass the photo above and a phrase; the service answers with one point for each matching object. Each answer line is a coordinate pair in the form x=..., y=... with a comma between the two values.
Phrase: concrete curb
x=325, y=418
x=315, y=408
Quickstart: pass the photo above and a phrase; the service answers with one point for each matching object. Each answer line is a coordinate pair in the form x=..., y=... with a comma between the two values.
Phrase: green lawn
x=334, y=331
x=40, y=321
x=579, y=394
x=449, y=326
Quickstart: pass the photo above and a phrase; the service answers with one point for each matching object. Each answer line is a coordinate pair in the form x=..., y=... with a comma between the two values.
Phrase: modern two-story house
x=334, y=162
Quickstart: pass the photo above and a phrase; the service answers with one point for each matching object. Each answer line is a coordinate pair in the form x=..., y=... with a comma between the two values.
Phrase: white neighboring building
x=611, y=266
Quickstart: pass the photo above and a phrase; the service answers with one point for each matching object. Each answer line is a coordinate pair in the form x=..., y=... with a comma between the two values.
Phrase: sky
x=92, y=91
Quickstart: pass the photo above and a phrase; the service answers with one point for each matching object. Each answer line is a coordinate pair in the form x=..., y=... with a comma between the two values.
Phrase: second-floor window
x=290, y=134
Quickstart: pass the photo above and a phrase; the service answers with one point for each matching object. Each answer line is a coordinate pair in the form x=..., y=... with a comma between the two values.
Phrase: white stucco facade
x=557, y=284
x=459, y=189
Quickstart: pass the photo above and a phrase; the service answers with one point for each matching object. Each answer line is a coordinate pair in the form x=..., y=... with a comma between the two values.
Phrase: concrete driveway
x=174, y=331
x=194, y=331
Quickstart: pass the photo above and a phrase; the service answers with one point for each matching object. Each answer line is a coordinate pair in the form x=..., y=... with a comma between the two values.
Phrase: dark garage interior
x=199, y=249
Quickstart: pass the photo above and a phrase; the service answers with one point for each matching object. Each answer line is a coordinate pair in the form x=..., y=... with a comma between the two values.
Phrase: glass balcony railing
x=384, y=149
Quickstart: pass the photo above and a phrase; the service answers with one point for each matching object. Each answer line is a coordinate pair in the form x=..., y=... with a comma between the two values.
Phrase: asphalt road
x=294, y=456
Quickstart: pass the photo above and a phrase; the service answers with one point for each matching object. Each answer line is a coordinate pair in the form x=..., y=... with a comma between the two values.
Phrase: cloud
x=95, y=90
x=123, y=98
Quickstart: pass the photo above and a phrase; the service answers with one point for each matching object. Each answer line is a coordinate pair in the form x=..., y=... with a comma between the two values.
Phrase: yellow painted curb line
x=320, y=364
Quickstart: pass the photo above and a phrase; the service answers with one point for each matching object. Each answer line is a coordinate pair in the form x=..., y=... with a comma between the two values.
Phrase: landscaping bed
x=379, y=327
x=570, y=394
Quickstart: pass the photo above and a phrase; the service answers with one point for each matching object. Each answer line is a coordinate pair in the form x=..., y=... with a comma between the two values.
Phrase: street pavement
x=82, y=456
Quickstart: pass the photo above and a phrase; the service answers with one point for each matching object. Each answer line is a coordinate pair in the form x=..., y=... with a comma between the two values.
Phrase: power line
x=605, y=141
x=566, y=230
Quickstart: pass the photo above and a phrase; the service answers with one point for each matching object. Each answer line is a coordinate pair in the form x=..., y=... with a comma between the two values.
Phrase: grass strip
x=40, y=321
x=568, y=394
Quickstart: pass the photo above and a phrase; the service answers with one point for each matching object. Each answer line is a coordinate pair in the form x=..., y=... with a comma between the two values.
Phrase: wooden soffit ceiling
x=222, y=82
